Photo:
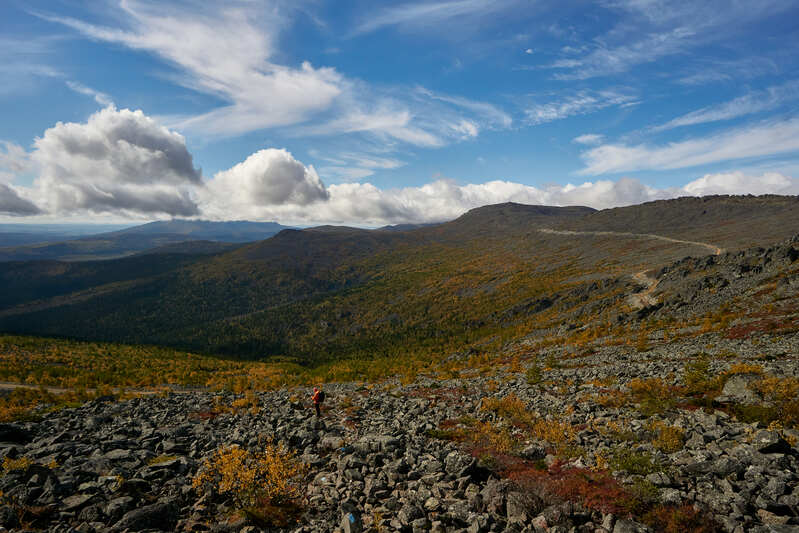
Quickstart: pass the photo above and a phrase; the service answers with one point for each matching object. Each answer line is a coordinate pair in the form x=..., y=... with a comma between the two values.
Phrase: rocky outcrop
x=375, y=460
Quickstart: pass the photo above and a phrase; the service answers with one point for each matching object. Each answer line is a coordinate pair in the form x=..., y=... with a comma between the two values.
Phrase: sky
x=369, y=112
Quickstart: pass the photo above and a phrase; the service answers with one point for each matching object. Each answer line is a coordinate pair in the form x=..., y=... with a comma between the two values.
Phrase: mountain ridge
x=331, y=292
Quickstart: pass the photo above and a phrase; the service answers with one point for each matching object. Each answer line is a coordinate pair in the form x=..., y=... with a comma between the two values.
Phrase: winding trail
x=712, y=247
x=643, y=298
x=9, y=386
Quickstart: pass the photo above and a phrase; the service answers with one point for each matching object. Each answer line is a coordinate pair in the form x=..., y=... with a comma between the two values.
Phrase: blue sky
x=369, y=112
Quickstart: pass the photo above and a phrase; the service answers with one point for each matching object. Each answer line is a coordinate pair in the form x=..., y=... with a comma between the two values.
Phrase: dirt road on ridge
x=643, y=298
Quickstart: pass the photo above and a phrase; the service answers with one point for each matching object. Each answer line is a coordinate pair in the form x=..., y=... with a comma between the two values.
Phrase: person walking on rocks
x=318, y=397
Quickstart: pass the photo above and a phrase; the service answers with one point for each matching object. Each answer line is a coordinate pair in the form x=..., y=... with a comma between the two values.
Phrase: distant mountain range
x=128, y=241
x=327, y=293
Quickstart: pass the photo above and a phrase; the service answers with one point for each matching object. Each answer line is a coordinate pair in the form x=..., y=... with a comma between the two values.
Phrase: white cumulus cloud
x=266, y=179
x=118, y=161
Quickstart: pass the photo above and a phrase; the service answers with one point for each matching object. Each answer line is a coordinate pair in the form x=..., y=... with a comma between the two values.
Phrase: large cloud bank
x=124, y=163
x=363, y=203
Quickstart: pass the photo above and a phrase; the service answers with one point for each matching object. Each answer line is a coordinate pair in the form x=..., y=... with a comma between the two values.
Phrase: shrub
x=642, y=495
x=595, y=489
x=696, y=374
x=784, y=394
x=511, y=408
x=744, y=368
x=653, y=395
x=9, y=465
x=674, y=519
x=619, y=431
x=634, y=462
x=534, y=374
x=260, y=483
x=558, y=433
x=613, y=398
x=668, y=439
x=161, y=459
x=497, y=438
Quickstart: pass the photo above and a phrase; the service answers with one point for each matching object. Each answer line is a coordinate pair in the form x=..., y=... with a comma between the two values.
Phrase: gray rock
x=770, y=442
x=119, y=506
x=156, y=516
x=72, y=503
x=14, y=434
x=516, y=508
x=628, y=526
x=533, y=452
x=409, y=513
x=8, y=517
x=736, y=390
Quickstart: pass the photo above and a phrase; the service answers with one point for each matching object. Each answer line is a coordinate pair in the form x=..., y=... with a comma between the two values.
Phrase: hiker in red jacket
x=318, y=397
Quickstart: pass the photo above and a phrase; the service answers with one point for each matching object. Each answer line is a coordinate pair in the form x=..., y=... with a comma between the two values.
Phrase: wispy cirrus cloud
x=606, y=60
x=763, y=139
x=578, y=103
x=24, y=60
x=492, y=115
x=350, y=166
x=753, y=102
x=99, y=97
x=426, y=14
x=231, y=52
x=589, y=139
x=227, y=53
x=419, y=117
x=706, y=71
x=647, y=31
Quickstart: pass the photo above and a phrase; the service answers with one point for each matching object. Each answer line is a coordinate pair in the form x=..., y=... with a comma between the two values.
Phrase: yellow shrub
x=554, y=431
x=654, y=394
x=161, y=459
x=668, y=439
x=499, y=439
x=252, y=480
x=744, y=368
x=612, y=398
x=777, y=389
x=16, y=464
x=784, y=393
x=511, y=408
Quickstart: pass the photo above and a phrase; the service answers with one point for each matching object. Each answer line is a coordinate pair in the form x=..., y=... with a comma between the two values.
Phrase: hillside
x=539, y=379
x=329, y=293
x=141, y=238
x=729, y=221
